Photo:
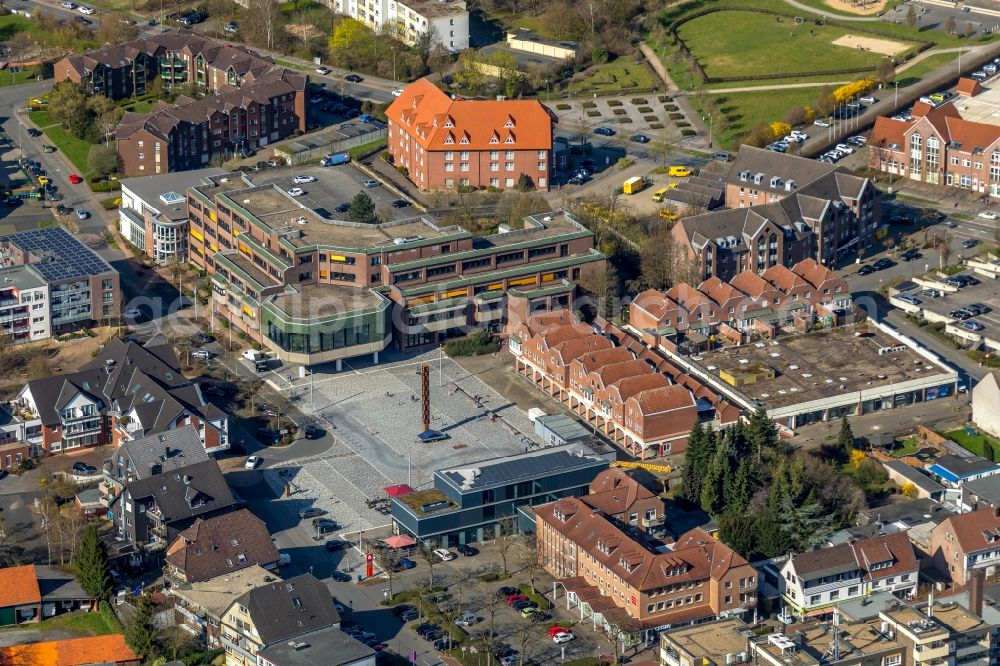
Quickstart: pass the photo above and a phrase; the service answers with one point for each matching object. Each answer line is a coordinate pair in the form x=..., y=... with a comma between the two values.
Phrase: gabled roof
x=655, y=303
x=89, y=650
x=751, y=284
x=164, y=451
x=613, y=491
x=593, y=360
x=664, y=399
x=185, y=492
x=290, y=608
x=719, y=291
x=868, y=557
x=438, y=122
x=19, y=586
x=783, y=278
x=976, y=530
x=627, y=387
x=567, y=351
x=813, y=272
x=556, y=335
x=612, y=372
x=221, y=545
x=888, y=132
x=968, y=87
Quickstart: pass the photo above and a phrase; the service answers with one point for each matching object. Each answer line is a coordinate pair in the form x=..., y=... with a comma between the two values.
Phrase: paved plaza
x=374, y=416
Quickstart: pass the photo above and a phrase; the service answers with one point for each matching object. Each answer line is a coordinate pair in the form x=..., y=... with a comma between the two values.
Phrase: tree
x=387, y=560
x=696, y=459
x=600, y=282
x=439, y=59
x=713, y=499
x=970, y=30
x=886, y=70
x=362, y=209
x=262, y=15
x=103, y=160
x=845, y=439
x=107, y=123
x=761, y=433
x=825, y=102
x=176, y=642
x=427, y=555
x=505, y=539
x=911, y=16
x=92, y=568
x=248, y=389
x=68, y=105
x=528, y=558
x=738, y=530
x=8, y=553
x=909, y=489
x=944, y=252
x=140, y=633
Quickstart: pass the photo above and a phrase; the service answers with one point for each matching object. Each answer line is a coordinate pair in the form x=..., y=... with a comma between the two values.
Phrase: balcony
x=835, y=585
x=238, y=644
x=655, y=521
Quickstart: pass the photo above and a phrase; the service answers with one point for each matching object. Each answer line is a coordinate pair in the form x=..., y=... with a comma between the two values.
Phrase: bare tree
x=427, y=555
x=506, y=538
x=176, y=642
x=262, y=16
x=944, y=252
x=388, y=561
x=8, y=554
x=107, y=123
x=248, y=389
x=524, y=637
x=528, y=558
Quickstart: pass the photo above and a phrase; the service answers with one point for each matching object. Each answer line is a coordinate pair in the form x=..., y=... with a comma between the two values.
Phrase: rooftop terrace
x=314, y=301
x=817, y=365
x=814, y=642
x=709, y=640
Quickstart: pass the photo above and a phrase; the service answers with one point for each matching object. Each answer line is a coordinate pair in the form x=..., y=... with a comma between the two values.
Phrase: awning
x=397, y=490
x=399, y=541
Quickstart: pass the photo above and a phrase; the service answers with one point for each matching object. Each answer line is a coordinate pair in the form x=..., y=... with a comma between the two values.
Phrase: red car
x=514, y=598
x=557, y=630
x=75, y=179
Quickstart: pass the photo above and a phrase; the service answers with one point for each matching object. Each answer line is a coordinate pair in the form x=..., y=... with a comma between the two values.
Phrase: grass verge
x=41, y=118
x=76, y=150
x=99, y=623
x=365, y=149
x=616, y=77
x=973, y=443
x=744, y=111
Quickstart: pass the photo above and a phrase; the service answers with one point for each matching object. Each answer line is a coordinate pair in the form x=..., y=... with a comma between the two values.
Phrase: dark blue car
x=604, y=131
x=406, y=563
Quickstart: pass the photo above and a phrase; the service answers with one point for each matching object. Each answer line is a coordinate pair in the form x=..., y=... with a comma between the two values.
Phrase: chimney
x=976, y=592
x=930, y=604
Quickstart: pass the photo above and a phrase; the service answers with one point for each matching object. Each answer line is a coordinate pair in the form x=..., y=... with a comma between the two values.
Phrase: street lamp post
x=895, y=101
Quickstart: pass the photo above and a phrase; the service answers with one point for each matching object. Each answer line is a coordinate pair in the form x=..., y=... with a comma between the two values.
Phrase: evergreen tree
x=362, y=209
x=696, y=459
x=988, y=451
x=713, y=498
x=738, y=530
x=771, y=538
x=845, y=439
x=92, y=568
x=739, y=488
x=140, y=633
x=761, y=433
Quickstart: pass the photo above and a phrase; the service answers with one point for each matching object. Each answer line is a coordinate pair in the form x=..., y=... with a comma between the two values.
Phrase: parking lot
x=935, y=17
x=374, y=416
x=986, y=293
x=333, y=186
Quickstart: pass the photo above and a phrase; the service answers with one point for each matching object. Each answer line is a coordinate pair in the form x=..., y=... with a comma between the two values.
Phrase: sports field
x=736, y=44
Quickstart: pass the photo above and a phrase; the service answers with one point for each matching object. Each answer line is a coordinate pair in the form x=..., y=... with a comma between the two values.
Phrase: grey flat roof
x=914, y=476
x=149, y=189
x=21, y=277
x=326, y=647
x=501, y=471
x=564, y=426
x=60, y=255
x=963, y=466
x=987, y=488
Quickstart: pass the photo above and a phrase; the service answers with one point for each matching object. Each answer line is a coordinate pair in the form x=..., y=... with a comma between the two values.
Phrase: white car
x=323, y=70
x=67, y=5
x=821, y=123
x=868, y=99
x=799, y=135
x=564, y=637
x=253, y=462
x=304, y=179
x=844, y=148
x=445, y=554
x=986, y=215
x=203, y=354
x=397, y=92
x=132, y=313
x=84, y=9
x=296, y=191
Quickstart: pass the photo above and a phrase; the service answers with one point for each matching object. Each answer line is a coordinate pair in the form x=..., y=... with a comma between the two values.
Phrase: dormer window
x=509, y=139
x=465, y=139
x=509, y=123
x=449, y=139
x=494, y=139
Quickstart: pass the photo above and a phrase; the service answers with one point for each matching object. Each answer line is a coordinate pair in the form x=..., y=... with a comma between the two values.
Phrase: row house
x=148, y=514
x=781, y=209
x=954, y=144
x=609, y=574
x=966, y=543
x=316, y=290
x=812, y=583
x=806, y=293
x=193, y=133
x=126, y=392
x=179, y=58
x=446, y=142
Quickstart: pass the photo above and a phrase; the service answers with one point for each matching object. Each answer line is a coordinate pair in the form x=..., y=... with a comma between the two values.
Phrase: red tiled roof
x=630, y=386
x=688, y=296
x=751, y=284
x=968, y=87
x=972, y=529
x=888, y=132
x=611, y=373
x=591, y=361
x=19, y=586
x=970, y=134
x=719, y=291
x=543, y=321
x=813, y=272
x=438, y=122
x=655, y=303
x=567, y=351
x=782, y=278
x=664, y=399
x=109, y=649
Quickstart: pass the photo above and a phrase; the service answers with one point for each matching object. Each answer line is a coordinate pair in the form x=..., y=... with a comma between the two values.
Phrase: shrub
x=624, y=163
x=589, y=105
x=644, y=109
x=665, y=98
x=639, y=100
x=477, y=343
x=676, y=116
x=594, y=114
x=386, y=157
x=688, y=132
x=562, y=106
x=650, y=119
x=106, y=186
x=656, y=126
x=670, y=108
x=403, y=170
x=683, y=125
x=619, y=112
x=614, y=102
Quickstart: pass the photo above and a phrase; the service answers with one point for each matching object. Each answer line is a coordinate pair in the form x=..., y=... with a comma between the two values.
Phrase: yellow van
x=659, y=194
x=679, y=172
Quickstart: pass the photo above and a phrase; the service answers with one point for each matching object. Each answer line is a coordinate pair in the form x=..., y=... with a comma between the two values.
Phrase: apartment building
x=140, y=458
x=630, y=398
x=812, y=583
x=444, y=143
x=944, y=633
x=718, y=643
x=622, y=498
x=318, y=290
x=51, y=283
x=126, y=392
x=965, y=543
x=277, y=612
x=442, y=22
x=465, y=504
x=153, y=214
x=607, y=572
x=781, y=209
x=748, y=307
x=954, y=144
x=201, y=606
x=148, y=514
x=220, y=545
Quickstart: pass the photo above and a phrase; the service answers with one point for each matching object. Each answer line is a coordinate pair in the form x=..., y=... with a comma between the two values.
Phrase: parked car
x=507, y=591
x=343, y=208
x=310, y=512
x=970, y=243
x=340, y=577
x=978, y=308
x=304, y=179
x=426, y=628
x=296, y=192
x=819, y=122
x=521, y=605
x=74, y=179
x=866, y=270
x=556, y=629
x=988, y=215
x=397, y=92
x=410, y=615
x=132, y=313
x=467, y=620
x=232, y=28
x=514, y=598
x=84, y=469
x=46, y=148
x=353, y=78
x=678, y=172
x=564, y=637
x=444, y=554
x=910, y=255
x=371, y=182
x=400, y=203
x=467, y=550
x=202, y=354
x=972, y=325
x=322, y=70
x=253, y=462
x=868, y=99
x=960, y=315
x=639, y=138
x=334, y=545
x=906, y=298
x=406, y=563
x=883, y=264
x=604, y=131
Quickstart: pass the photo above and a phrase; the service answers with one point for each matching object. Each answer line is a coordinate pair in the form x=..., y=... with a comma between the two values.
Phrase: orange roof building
x=445, y=143
x=110, y=649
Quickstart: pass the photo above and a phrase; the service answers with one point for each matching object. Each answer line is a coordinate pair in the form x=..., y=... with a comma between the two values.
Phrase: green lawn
x=12, y=24
x=26, y=75
x=365, y=149
x=911, y=75
x=76, y=150
x=82, y=623
x=744, y=111
x=41, y=118
x=616, y=77
x=907, y=447
x=740, y=43
x=973, y=443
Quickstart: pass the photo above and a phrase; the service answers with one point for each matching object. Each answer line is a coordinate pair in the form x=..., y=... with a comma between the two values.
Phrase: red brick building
x=445, y=143
x=955, y=144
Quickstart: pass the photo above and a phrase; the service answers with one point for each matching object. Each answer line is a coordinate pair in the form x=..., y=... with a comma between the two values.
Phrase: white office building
x=447, y=21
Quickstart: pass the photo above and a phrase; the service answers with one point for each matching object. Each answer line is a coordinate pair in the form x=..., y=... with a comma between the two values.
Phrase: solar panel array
x=515, y=469
x=60, y=255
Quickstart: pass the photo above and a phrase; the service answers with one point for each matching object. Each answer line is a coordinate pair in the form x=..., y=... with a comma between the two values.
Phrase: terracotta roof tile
x=972, y=530
x=782, y=278
x=968, y=87
x=751, y=284
x=592, y=361
x=557, y=335
x=19, y=586
x=222, y=544
x=813, y=272
x=664, y=399
x=630, y=386
x=565, y=352
x=439, y=122
x=655, y=303
x=109, y=649
x=611, y=373
x=719, y=291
